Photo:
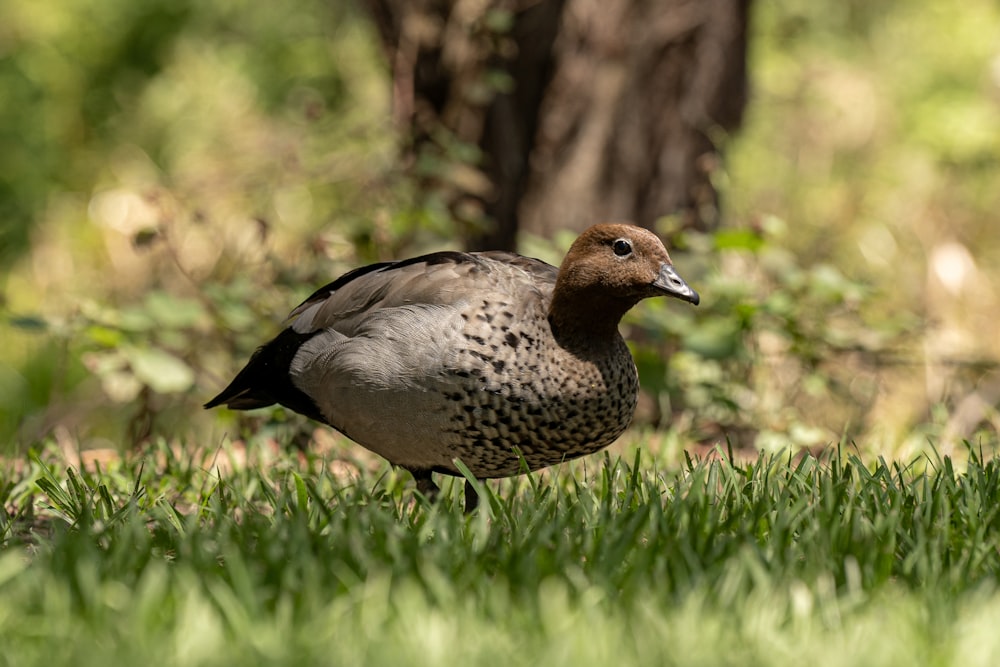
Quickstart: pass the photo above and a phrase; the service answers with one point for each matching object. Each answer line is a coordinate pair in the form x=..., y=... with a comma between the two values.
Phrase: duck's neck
x=585, y=317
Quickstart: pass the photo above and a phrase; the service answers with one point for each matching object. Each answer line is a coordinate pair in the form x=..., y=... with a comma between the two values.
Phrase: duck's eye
x=622, y=247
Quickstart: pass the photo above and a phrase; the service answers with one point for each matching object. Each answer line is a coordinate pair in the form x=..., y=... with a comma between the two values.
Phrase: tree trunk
x=556, y=114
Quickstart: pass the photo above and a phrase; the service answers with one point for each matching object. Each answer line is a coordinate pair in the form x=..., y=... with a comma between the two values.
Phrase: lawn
x=253, y=556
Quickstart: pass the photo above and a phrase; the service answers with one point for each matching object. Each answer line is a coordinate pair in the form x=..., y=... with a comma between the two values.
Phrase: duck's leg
x=471, y=497
x=430, y=490
x=425, y=484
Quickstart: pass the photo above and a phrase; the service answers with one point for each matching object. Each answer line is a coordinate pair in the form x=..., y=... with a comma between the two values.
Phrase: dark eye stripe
x=622, y=247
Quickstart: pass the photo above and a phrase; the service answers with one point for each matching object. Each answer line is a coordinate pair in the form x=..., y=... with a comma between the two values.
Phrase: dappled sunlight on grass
x=170, y=558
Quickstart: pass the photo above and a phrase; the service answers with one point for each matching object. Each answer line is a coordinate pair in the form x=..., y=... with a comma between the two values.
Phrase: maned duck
x=501, y=361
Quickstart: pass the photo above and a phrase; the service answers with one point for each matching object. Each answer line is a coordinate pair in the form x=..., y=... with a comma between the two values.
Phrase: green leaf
x=104, y=336
x=738, y=239
x=161, y=371
x=498, y=20
x=173, y=311
x=718, y=338
x=136, y=319
x=28, y=322
x=301, y=495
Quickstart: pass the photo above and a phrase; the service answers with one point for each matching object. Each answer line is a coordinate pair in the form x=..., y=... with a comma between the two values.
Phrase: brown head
x=607, y=270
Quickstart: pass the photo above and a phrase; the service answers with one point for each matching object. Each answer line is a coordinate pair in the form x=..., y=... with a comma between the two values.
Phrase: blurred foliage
x=175, y=176
x=785, y=354
x=184, y=171
x=874, y=132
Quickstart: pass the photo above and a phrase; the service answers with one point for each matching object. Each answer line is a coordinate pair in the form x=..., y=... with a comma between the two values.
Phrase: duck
x=503, y=362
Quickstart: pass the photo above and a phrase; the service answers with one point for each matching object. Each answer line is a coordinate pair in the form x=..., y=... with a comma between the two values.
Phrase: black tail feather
x=265, y=380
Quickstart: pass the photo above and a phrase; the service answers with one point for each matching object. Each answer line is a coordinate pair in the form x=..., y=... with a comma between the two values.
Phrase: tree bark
x=556, y=114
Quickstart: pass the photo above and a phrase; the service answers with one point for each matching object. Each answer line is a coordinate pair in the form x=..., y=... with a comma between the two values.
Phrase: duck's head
x=622, y=261
x=609, y=269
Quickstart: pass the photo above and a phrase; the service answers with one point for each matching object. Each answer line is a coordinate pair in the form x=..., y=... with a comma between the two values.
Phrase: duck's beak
x=672, y=284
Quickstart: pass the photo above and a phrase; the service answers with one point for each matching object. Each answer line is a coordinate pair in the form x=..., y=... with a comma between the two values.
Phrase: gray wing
x=438, y=279
x=383, y=325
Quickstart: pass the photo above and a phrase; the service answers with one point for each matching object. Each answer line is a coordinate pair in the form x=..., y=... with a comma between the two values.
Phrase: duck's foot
x=471, y=497
x=430, y=490
x=425, y=484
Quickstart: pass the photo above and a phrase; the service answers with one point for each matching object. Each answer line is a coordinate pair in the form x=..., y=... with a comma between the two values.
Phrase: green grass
x=829, y=561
